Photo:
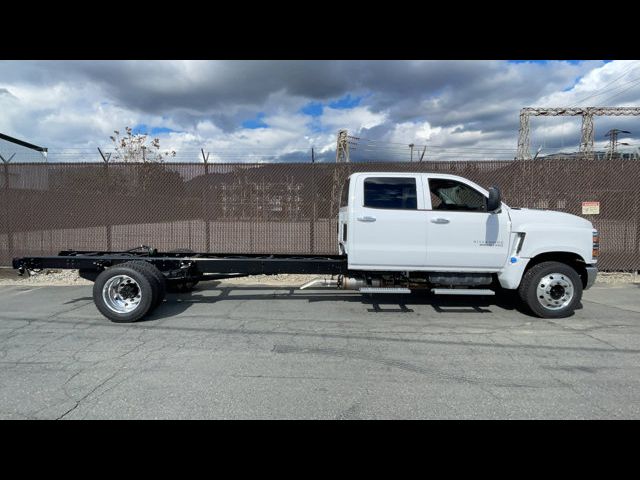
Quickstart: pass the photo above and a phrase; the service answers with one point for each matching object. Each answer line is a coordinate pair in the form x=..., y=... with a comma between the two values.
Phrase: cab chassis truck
x=397, y=232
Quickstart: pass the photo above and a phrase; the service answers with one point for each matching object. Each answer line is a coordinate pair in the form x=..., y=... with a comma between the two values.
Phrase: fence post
x=312, y=223
x=108, y=226
x=206, y=210
x=8, y=216
x=636, y=253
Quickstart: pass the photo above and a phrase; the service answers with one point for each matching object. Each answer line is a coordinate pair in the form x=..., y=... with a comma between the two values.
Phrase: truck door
x=388, y=223
x=460, y=231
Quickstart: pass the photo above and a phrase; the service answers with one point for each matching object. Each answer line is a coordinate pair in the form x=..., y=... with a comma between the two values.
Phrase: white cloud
x=409, y=132
x=606, y=85
x=353, y=119
x=457, y=104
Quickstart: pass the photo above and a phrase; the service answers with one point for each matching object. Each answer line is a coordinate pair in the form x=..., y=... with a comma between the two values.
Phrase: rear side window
x=390, y=192
x=344, y=196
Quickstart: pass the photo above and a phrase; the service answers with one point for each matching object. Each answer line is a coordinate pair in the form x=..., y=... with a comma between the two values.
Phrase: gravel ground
x=616, y=278
x=70, y=277
x=9, y=276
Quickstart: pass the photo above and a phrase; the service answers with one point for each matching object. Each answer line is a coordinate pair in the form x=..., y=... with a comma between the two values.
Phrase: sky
x=278, y=110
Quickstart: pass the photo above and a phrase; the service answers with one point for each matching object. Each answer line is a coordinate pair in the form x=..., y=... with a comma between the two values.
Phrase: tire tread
x=530, y=280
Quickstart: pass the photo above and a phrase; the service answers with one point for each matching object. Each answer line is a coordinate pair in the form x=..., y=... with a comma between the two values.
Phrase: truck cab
x=450, y=233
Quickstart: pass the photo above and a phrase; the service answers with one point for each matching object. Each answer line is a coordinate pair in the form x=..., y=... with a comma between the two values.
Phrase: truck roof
x=400, y=174
x=430, y=174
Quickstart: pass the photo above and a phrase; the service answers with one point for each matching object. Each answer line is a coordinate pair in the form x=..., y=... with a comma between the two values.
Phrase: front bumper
x=592, y=272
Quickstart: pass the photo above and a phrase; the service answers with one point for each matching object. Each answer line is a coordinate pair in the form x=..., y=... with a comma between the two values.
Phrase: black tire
x=529, y=293
x=159, y=289
x=147, y=290
x=158, y=277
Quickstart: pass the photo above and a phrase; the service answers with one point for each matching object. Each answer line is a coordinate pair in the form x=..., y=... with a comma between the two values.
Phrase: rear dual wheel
x=129, y=291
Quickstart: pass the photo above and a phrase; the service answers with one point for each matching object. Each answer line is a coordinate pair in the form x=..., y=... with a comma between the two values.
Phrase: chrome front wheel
x=555, y=291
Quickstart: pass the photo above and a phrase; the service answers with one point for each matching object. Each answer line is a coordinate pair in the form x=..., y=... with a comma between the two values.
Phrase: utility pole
x=411, y=145
x=423, y=152
x=313, y=157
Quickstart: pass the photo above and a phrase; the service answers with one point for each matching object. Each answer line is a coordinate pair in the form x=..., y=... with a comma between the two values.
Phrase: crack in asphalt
x=235, y=331
x=390, y=362
x=78, y=402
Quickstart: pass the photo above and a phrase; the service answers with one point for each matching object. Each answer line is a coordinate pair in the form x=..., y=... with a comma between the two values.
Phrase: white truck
x=451, y=234
x=397, y=232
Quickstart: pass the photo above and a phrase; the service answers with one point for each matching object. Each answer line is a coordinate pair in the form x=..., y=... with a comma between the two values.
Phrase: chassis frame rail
x=196, y=263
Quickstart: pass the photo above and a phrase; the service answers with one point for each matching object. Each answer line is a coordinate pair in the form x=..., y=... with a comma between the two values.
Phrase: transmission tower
x=345, y=144
x=613, y=141
x=342, y=147
x=587, y=114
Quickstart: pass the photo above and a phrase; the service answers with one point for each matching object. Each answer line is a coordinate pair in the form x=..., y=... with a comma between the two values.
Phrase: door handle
x=440, y=220
x=366, y=219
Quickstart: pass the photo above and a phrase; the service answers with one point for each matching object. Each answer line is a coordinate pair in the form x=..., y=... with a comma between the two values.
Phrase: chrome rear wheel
x=122, y=294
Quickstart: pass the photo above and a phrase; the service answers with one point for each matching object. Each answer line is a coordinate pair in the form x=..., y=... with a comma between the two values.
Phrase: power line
x=601, y=91
x=635, y=82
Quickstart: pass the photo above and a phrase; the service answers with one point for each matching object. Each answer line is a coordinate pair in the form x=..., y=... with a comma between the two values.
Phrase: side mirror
x=494, y=202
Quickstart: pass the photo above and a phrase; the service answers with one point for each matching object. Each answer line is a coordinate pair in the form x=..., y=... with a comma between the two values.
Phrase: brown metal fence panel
x=273, y=208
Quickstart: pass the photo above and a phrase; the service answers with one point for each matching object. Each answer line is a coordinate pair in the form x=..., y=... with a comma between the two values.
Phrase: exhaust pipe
x=345, y=283
x=322, y=282
x=351, y=283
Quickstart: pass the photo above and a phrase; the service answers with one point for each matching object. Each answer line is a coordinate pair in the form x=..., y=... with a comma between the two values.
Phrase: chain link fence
x=274, y=208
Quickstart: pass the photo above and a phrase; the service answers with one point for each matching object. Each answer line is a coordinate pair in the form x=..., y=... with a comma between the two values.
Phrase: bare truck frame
x=145, y=269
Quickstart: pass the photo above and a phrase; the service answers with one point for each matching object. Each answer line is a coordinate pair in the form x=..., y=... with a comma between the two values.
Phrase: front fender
x=578, y=241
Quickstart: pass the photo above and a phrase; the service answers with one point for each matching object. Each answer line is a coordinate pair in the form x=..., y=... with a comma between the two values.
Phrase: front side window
x=453, y=195
x=390, y=192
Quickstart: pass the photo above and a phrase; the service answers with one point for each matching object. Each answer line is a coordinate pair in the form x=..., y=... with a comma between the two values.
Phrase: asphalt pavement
x=269, y=352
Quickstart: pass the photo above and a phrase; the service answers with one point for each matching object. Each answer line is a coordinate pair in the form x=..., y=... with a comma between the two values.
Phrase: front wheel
x=551, y=289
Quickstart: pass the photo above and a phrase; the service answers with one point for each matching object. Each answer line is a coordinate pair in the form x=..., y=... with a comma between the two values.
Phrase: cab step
x=383, y=290
x=462, y=291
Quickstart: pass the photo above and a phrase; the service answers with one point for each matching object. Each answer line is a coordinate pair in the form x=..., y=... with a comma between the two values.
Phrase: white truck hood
x=521, y=217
